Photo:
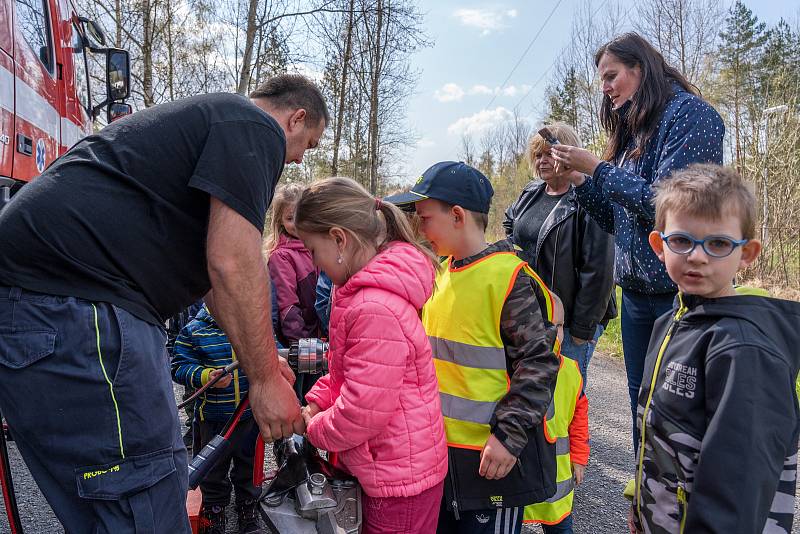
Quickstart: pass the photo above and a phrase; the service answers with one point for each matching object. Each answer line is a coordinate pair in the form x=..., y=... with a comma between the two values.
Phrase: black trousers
x=86, y=390
x=495, y=521
x=235, y=469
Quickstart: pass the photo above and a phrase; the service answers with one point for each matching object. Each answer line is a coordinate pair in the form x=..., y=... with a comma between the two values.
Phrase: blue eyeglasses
x=716, y=246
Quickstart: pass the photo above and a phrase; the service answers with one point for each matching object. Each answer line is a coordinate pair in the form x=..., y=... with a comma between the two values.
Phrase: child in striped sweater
x=201, y=351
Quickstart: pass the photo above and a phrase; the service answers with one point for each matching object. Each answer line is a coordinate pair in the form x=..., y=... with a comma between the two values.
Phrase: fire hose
x=307, y=494
x=307, y=356
x=9, y=497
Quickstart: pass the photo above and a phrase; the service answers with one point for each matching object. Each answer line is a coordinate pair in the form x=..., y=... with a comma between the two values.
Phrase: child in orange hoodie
x=568, y=424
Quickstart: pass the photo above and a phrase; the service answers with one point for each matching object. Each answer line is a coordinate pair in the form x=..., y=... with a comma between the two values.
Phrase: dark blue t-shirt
x=123, y=216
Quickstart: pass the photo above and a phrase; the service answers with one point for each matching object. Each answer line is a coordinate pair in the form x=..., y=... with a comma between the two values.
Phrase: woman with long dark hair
x=656, y=123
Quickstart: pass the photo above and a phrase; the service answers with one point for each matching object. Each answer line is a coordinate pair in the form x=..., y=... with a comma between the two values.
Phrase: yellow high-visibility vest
x=462, y=320
x=568, y=389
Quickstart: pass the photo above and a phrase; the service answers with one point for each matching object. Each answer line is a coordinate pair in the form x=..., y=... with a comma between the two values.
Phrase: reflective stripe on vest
x=462, y=320
x=568, y=388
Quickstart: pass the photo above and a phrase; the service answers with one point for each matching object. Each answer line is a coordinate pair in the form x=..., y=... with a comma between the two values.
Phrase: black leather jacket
x=574, y=257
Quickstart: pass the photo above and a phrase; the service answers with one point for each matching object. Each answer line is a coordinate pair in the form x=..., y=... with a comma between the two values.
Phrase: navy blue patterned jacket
x=620, y=198
x=200, y=348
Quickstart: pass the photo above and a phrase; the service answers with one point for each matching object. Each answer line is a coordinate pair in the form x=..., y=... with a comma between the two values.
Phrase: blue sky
x=476, y=45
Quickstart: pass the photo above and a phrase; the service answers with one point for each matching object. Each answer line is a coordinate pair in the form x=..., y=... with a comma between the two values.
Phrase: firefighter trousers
x=86, y=391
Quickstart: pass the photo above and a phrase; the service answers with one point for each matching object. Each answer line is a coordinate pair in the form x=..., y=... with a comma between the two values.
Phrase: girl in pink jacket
x=294, y=276
x=378, y=408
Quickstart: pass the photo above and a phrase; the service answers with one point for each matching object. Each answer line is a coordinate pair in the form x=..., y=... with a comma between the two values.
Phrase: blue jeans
x=581, y=353
x=639, y=312
x=564, y=527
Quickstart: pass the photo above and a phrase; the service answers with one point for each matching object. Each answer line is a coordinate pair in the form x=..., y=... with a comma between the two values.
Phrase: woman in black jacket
x=570, y=251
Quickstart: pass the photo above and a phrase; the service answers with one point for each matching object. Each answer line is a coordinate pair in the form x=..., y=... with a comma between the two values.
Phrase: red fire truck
x=46, y=101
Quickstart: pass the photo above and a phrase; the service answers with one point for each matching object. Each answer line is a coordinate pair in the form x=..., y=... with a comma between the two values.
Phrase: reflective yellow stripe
x=661, y=351
x=684, y=508
x=488, y=385
x=110, y=385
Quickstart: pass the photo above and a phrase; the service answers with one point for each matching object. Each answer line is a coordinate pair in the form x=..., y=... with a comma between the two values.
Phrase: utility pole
x=765, y=115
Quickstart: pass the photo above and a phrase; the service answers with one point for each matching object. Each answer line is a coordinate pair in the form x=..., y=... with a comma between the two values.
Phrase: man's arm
x=242, y=306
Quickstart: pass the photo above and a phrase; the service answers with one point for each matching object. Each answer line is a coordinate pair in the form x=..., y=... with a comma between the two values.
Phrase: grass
x=611, y=340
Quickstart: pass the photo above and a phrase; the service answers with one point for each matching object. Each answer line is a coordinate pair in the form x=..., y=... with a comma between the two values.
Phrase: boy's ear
x=459, y=216
x=657, y=244
x=750, y=252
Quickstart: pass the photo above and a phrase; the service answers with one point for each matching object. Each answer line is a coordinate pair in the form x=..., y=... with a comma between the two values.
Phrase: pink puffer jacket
x=380, y=401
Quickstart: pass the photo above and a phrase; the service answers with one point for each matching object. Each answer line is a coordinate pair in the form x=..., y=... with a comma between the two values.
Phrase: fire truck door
x=37, y=133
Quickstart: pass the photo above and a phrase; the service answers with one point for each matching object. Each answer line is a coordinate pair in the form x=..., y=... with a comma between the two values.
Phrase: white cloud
x=481, y=121
x=450, y=92
x=480, y=90
x=426, y=142
x=511, y=90
x=486, y=20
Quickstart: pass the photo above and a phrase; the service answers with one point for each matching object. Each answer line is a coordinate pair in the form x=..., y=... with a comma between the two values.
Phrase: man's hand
x=275, y=408
x=496, y=461
x=286, y=371
x=223, y=382
x=579, y=471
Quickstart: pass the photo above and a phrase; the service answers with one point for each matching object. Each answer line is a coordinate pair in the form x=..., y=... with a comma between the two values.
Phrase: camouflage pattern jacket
x=719, y=418
x=517, y=422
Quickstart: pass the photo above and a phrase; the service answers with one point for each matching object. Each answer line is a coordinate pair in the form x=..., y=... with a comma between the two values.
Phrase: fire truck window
x=35, y=27
x=81, y=74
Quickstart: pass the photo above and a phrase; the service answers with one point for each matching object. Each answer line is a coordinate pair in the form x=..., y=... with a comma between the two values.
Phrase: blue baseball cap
x=453, y=182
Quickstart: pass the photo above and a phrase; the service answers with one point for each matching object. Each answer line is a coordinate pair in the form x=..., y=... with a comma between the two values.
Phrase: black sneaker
x=249, y=522
x=214, y=520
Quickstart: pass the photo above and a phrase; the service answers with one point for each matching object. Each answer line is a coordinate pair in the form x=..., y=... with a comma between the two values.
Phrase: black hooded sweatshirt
x=720, y=419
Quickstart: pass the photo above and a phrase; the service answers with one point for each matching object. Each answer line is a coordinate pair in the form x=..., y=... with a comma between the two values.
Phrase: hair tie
x=378, y=204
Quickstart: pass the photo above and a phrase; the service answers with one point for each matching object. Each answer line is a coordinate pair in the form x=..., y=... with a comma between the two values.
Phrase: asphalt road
x=599, y=505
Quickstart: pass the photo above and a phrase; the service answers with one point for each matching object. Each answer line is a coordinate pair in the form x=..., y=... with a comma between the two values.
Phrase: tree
x=684, y=31
x=743, y=37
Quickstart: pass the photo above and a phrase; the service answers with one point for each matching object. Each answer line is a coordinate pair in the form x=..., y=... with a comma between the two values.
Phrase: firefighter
x=133, y=224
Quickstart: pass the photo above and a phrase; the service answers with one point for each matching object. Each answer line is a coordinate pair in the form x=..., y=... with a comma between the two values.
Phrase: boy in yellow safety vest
x=568, y=425
x=492, y=349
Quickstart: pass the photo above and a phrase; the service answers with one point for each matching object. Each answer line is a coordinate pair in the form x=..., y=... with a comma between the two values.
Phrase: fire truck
x=46, y=100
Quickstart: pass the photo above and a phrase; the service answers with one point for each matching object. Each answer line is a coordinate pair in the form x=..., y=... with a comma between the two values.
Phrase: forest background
x=362, y=53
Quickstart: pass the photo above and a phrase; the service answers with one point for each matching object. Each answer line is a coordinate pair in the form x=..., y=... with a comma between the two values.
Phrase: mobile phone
x=548, y=136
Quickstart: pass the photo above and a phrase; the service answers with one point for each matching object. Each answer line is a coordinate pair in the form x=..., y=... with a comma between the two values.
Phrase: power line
x=553, y=64
x=503, y=86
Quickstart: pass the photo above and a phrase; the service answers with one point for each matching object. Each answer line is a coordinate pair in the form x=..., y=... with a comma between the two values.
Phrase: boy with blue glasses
x=718, y=412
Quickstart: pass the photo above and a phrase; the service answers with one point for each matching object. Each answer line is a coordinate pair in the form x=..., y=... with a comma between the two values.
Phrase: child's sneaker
x=248, y=518
x=214, y=519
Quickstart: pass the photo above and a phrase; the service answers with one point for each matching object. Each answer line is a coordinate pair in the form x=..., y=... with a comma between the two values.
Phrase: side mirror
x=118, y=78
x=94, y=34
x=117, y=110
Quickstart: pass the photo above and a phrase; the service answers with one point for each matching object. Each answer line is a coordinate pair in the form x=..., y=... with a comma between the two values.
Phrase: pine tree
x=779, y=65
x=743, y=38
x=563, y=101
